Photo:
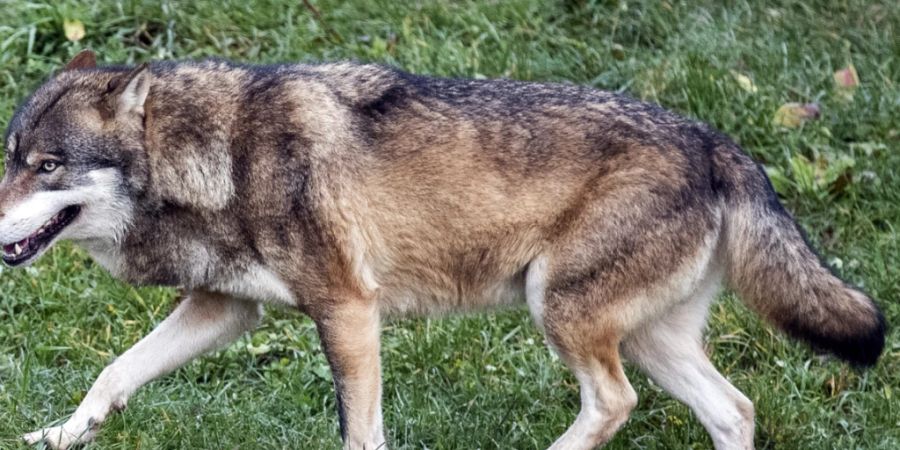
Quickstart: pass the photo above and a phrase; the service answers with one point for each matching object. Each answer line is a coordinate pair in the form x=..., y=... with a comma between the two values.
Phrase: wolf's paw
x=61, y=437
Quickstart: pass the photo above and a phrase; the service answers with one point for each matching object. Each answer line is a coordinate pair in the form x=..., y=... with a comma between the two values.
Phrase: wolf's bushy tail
x=775, y=271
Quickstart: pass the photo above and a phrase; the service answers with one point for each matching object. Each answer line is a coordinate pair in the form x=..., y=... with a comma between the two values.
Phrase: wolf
x=353, y=192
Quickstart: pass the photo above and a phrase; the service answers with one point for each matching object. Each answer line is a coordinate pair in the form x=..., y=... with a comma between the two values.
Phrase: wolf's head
x=74, y=160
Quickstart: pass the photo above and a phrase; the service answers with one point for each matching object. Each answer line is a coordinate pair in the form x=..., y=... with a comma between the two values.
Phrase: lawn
x=487, y=381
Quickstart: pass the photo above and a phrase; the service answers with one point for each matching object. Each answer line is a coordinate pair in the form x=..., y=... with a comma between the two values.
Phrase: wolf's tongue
x=9, y=248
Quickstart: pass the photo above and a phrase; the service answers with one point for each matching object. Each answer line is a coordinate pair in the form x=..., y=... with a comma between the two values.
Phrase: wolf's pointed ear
x=133, y=91
x=85, y=59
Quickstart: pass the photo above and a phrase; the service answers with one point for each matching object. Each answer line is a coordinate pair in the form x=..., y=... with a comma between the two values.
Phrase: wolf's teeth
x=18, y=249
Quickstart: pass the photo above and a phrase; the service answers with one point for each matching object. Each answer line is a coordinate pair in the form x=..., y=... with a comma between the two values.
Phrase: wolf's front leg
x=350, y=334
x=200, y=323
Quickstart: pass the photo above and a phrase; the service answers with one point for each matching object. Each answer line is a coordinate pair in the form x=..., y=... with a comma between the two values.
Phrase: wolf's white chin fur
x=105, y=212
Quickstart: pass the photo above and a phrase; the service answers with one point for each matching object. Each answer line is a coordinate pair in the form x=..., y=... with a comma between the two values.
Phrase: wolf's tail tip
x=870, y=345
x=860, y=348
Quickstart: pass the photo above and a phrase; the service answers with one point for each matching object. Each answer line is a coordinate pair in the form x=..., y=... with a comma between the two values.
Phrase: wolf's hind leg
x=606, y=396
x=200, y=323
x=589, y=345
x=624, y=257
x=669, y=350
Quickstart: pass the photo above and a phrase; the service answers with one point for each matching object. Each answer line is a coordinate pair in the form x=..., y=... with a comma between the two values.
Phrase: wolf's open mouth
x=19, y=252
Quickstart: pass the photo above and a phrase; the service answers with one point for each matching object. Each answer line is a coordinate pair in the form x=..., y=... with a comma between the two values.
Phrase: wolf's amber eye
x=49, y=166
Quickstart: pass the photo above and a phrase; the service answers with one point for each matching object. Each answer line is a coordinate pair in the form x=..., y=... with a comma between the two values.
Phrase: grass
x=487, y=381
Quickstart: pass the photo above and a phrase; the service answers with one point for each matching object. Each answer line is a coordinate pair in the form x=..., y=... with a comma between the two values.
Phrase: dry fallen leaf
x=618, y=52
x=846, y=81
x=73, y=29
x=792, y=115
x=744, y=82
x=846, y=78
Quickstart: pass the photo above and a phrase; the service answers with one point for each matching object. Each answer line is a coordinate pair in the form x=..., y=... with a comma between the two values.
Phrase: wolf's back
x=776, y=272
